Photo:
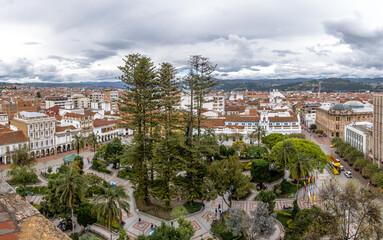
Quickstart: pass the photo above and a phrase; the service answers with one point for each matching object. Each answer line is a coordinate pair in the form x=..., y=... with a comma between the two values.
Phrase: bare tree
x=234, y=221
x=262, y=222
x=356, y=210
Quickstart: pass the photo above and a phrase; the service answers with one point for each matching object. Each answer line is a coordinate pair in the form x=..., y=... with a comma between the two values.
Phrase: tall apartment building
x=378, y=130
x=40, y=128
x=80, y=101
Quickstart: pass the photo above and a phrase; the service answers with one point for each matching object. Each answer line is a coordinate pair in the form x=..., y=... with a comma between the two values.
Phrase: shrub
x=230, y=152
x=285, y=186
x=318, y=131
x=50, y=169
x=257, y=152
x=74, y=236
x=377, y=179
x=222, y=150
x=260, y=171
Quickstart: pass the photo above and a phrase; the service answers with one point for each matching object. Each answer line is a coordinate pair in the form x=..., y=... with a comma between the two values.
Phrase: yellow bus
x=334, y=164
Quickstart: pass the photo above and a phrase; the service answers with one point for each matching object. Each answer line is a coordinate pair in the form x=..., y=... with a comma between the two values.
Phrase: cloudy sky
x=85, y=40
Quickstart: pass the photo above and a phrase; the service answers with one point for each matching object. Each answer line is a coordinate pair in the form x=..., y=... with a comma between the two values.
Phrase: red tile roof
x=242, y=119
x=12, y=137
x=62, y=129
x=102, y=123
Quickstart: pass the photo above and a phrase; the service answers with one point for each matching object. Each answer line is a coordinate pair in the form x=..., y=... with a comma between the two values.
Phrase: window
x=46, y=125
x=37, y=134
x=31, y=135
x=51, y=132
x=348, y=119
x=51, y=141
x=286, y=124
x=42, y=134
x=358, y=118
x=41, y=125
x=37, y=144
x=37, y=126
x=47, y=142
x=46, y=133
x=337, y=119
x=337, y=127
x=42, y=143
x=51, y=124
x=31, y=127
x=31, y=145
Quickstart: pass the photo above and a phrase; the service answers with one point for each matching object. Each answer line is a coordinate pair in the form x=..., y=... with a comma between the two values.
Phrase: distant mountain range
x=297, y=84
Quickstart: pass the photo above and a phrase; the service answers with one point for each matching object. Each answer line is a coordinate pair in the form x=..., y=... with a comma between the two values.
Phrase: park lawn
x=161, y=212
x=220, y=230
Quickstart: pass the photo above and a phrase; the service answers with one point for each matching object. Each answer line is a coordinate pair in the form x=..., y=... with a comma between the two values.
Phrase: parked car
x=261, y=186
x=348, y=174
x=341, y=168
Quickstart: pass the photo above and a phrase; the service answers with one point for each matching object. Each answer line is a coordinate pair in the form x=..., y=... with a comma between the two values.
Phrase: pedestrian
x=139, y=220
x=171, y=223
x=219, y=206
x=216, y=211
x=151, y=226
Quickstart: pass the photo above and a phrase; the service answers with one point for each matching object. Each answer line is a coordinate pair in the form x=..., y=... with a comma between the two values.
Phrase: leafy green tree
x=109, y=205
x=78, y=143
x=301, y=167
x=360, y=163
x=92, y=141
x=305, y=219
x=296, y=135
x=138, y=105
x=377, y=179
x=283, y=153
x=369, y=170
x=95, y=183
x=113, y=151
x=269, y=198
x=257, y=152
x=85, y=216
x=123, y=235
x=52, y=206
x=78, y=164
x=296, y=209
x=23, y=175
x=21, y=157
x=272, y=139
x=353, y=154
x=71, y=184
x=38, y=95
x=222, y=150
x=22, y=191
x=225, y=178
x=313, y=126
x=318, y=160
x=241, y=148
x=336, y=141
x=260, y=171
x=230, y=152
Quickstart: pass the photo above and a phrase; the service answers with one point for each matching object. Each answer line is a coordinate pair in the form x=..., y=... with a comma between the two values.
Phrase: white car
x=348, y=174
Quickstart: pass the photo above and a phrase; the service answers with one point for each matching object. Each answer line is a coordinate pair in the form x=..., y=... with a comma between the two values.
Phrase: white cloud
x=86, y=40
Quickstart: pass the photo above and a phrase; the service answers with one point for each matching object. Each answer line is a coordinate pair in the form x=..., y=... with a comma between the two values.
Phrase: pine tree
x=138, y=104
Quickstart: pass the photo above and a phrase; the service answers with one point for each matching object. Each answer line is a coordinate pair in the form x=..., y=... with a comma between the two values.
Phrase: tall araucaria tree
x=197, y=84
x=167, y=151
x=138, y=104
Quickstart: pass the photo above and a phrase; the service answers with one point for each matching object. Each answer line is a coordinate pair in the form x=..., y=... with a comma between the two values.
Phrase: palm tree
x=78, y=143
x=301, y=167
x=72, y=186
x=288, y=151
x=109, y=205
x=259, y=134
x=92, y=141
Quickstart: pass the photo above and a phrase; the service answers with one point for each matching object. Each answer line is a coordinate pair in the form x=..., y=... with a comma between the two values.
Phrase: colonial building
x=105, y=130
x=80, y=121
x=332, y=119
x=4, y=118
x=10, y=141
x=40, y=128
x=64, y=137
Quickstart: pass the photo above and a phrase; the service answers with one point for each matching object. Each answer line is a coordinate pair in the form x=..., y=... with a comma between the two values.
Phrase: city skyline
x=44, y=41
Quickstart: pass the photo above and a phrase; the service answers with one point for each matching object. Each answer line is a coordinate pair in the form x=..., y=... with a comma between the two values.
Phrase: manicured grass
x=165, y=214
x=90, y=236
x=220, y=230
